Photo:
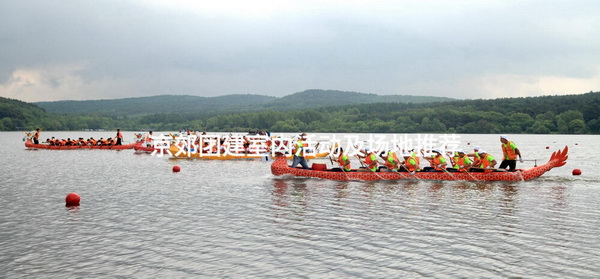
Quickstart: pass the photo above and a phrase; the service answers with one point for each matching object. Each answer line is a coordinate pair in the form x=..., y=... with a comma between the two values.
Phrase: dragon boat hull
x=142, y=147
x=29, y=144
x=558, y=159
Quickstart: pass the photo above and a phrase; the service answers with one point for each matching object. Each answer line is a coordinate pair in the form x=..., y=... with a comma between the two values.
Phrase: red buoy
x=72, y=199
x=547, y=147
x=176, y=168
x=576, y=172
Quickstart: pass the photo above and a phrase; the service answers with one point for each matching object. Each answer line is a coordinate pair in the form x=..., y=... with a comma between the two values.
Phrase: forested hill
x=568, y=114
x=311, y=99
x=157, y=104
x=18, y=115
x=226, y=104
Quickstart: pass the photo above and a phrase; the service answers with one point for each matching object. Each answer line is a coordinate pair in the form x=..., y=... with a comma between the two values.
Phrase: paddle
x=364, y=165
x=409, y=172
x=342, y=167
x=432, y=163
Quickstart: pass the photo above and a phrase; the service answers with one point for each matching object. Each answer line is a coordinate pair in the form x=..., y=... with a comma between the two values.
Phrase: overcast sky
x=73, y=49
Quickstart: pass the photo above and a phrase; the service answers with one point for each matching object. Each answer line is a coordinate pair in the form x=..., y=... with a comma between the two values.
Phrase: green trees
x=572, y=114
x=571, y=122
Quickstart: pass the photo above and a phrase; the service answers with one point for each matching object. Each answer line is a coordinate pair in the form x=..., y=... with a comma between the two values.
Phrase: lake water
x=233, y=219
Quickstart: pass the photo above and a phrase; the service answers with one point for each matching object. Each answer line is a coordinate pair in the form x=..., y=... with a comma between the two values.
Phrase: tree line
x=568, y=114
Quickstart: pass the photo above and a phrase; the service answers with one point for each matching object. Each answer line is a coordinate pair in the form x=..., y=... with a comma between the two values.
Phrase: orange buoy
x=576, y=172
x=176, y=169
x=72, y=199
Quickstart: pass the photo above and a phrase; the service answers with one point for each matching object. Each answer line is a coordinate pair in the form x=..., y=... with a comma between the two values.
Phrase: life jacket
x=414, y=156
x=455, y=159
x=36, y=135
x=371, y=161
x=299, y=148
x=508, y=152
x=438, y=160
x=485, y=161
x=342, y=160
x=392, y=161
x=411, y=163
x=477, y=161
x=461, y=162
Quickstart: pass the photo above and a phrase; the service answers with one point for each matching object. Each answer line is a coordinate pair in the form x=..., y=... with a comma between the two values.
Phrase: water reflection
x=290, y=195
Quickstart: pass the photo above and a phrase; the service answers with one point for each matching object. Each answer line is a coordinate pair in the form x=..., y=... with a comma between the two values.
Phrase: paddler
x=370, y=159
x=343, y=160
x=463, y=163
x=475, y=156
x=299, y=152
x=391, y=160
x=487, y=162
x=509, y=154
x=411, y=162
x=453, y=156
x=437, y=161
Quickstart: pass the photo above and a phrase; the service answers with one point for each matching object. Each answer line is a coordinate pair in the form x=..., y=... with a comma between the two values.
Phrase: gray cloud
x=52, y=50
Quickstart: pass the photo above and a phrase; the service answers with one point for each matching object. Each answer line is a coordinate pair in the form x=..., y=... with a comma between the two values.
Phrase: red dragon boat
x=29, y=144
x=558, y=159
x=142, y=146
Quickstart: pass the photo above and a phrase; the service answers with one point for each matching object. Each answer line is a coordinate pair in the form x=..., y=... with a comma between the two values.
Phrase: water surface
x=234, y=219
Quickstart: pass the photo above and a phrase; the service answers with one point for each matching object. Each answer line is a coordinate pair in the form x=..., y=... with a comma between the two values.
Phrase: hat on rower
x=437, y=151
x=477, y=148
x=367, y=149
x=504, y=137
x=405, y=154
x=481, y=152
x=460, y=151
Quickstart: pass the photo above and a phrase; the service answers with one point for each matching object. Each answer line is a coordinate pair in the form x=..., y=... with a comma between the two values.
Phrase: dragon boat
x=559, y=158
x=29, y=144
x=144, y=147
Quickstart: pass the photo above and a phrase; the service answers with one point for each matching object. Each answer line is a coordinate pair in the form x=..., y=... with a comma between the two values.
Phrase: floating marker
x=72, y=199
x=176, y=169
x=576, y=172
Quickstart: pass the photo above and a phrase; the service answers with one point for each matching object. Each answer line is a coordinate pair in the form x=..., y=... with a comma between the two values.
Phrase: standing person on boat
x=119, y=137
x=299, y=152
x=36, y=136
x=148, y=140
x=437, y=161
x=370, y=159
x=509, y=154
